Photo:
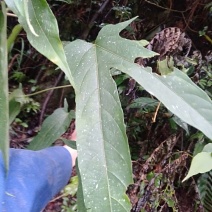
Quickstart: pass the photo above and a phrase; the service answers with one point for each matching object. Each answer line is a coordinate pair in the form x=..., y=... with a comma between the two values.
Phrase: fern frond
x=205, y=190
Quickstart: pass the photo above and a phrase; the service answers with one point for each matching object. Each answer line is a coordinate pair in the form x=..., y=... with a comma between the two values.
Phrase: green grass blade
x=11, y=39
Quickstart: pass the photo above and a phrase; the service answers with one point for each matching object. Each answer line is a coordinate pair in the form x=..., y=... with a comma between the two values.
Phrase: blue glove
x=33, y=179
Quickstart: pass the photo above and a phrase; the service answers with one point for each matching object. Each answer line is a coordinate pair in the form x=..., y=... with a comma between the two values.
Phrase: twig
x=12, y=15
x=48, y=89
x=12, y=61
x=61, y=98
x=165, y=8
x=208, y=38
x=91, y=23
x=196, y=3
x=187, y=26
x=156, y=112
x=194, y=6
x=48, y=98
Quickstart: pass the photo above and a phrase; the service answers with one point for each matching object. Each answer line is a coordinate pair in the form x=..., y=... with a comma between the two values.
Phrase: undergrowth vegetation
x=148, y=111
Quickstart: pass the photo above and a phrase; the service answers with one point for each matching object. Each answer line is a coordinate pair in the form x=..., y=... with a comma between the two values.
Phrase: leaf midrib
x=100, y=116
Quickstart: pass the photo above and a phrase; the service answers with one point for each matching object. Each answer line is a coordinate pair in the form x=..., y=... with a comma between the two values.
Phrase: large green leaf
x=103, y=152
x=4, y=106
x=42, y=31
x=102, y=145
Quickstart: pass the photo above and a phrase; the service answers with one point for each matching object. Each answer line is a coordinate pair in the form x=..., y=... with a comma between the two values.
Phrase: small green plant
x=18, y=121
x=203, y=32
x=68, y=195
x=18, y=76
x=31, y=106
x=23, y=111
x=122, y=12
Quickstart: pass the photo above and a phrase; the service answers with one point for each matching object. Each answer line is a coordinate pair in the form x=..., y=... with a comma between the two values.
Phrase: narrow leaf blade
x=4, y=99
x=179, y=94
x=53, y=127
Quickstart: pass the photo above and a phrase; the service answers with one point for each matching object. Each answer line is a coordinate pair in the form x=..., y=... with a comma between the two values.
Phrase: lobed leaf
x=180, y=95
x=175, y=90
x=103, y=153
x=104, y=159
